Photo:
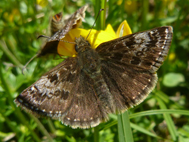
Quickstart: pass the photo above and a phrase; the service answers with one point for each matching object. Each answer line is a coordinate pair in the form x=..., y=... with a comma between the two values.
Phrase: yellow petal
x=66, y=47
x=98, y=37
x=123, y=29
x=110, y=30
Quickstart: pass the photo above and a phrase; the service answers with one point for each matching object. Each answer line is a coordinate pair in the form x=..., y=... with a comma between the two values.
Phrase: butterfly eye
x=88, y=43
x=76, y=48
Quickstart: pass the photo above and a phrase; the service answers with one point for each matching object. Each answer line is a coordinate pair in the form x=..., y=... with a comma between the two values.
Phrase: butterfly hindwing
x=128, y=87
x=86, y=110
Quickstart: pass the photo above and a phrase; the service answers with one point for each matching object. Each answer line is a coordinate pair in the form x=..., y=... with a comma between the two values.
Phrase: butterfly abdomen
x=103, y=94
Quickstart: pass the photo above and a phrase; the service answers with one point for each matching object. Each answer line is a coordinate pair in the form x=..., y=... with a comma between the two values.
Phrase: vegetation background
x=163, y=116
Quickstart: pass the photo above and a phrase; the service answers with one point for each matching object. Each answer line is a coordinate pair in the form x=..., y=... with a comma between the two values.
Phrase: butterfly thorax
x=88, y=58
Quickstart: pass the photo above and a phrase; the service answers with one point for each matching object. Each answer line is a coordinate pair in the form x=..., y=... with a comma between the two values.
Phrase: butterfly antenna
x=67, y=41
x=28, y=63
x=42, y=36
x=34, y=55
x=94, y=22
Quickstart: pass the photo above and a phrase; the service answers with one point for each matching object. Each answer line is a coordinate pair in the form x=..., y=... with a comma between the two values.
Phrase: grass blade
x=169, y=121
x=124, y=129
x=96, y=134
x=162, y=111
x=138, y=128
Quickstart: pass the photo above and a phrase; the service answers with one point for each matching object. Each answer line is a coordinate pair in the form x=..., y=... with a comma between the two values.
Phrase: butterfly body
x=117, y=75
x=90, y=64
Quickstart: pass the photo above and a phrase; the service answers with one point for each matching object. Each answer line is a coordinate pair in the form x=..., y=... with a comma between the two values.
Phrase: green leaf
x=173, y=79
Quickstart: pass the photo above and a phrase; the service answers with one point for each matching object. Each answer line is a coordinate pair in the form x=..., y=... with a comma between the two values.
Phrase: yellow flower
x=172, y=56
x=42, y=3
x=95, y=38
x=131, y=6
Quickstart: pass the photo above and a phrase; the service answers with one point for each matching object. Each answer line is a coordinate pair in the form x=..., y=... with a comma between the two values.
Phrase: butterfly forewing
x=52, y=94
x=141, y=51
x=64, y=93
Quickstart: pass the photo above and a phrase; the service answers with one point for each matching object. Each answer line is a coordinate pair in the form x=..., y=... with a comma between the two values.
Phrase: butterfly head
x=81, y=44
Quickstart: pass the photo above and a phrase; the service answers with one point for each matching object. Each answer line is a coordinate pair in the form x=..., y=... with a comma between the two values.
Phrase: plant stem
x=42, y=128
x=4, y=48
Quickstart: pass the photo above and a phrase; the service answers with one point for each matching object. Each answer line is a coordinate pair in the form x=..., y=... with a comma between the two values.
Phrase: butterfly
x=59, y=28
x=117, y=75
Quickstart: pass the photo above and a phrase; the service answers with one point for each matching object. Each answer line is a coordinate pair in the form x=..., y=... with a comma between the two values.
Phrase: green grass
x=163, y=116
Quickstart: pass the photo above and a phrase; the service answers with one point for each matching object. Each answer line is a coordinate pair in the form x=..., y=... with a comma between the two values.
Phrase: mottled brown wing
x=86, y=110
x=52, y=94
x=129, y=64
x=59, y=32
x=65, y=93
